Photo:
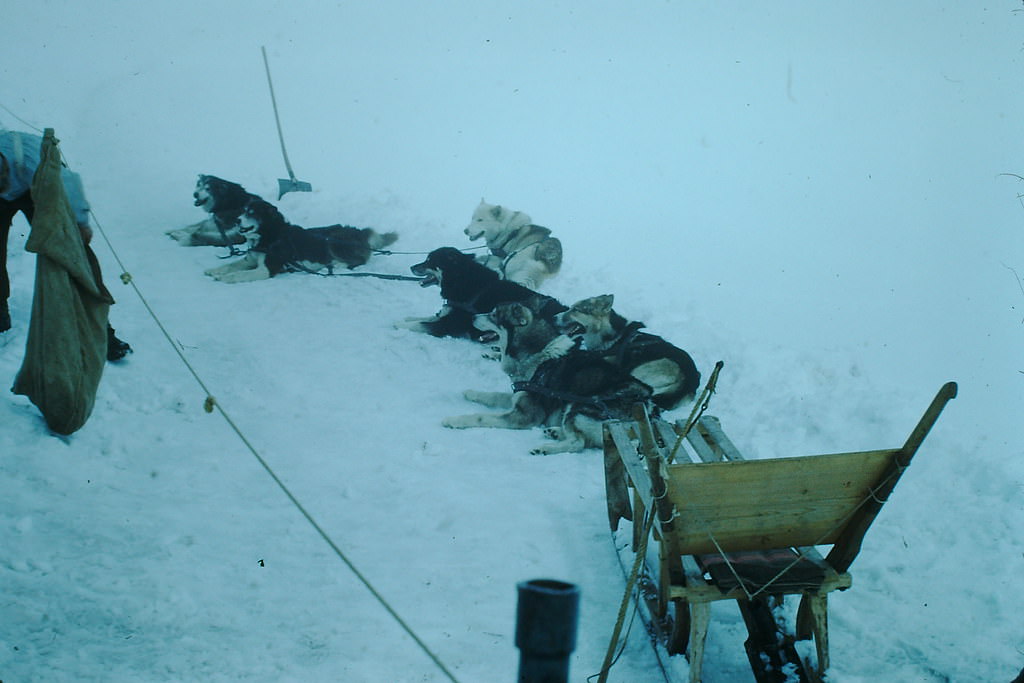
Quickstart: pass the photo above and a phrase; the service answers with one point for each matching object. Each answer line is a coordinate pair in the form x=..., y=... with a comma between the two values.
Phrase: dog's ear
x=521, y=315
x=453, y=255
x=513, y=314
x=497, y=211
x=604, y=302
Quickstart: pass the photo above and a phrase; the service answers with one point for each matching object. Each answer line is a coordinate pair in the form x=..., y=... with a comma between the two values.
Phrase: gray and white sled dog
x=276, y=246
x=666, y=368
x=224, y=201
x=556, y=384
x=519, y=250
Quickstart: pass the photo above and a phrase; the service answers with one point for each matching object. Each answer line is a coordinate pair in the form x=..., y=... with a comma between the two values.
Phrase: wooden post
x=849, y=542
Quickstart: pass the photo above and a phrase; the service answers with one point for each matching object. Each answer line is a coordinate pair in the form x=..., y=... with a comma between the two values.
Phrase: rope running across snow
x=210, y=404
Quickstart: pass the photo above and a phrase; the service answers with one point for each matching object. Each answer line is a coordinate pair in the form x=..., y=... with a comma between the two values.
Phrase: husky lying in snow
x=224, y=201
x=468, y=289
x=667, y=369
x=523, y=338
x=519, y=250
x=276, y=246
x=556, y=384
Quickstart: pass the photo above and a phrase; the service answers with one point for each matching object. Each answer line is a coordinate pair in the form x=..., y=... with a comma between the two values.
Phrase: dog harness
x=539, y=384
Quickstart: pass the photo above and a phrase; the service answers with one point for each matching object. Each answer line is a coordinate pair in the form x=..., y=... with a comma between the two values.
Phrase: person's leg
x=7, y=211
x=116, y=348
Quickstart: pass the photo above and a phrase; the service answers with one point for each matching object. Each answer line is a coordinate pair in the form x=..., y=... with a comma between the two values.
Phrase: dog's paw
x=234, y=277
x=555, y=433
x=559, y=346
x=456, y=422
x=182, y=236
x=561, y=446
x=414, y=324
x=549, y=449
x=220, y=274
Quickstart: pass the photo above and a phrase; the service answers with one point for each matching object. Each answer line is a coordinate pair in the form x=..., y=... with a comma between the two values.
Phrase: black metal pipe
x=546, y=617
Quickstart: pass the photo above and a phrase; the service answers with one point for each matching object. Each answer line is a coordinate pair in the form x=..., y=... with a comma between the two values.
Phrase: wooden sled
x=726, y=528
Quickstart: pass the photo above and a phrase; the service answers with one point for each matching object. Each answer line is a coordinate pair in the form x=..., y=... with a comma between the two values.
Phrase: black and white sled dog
x=468, y=289
x=224, y=201
x=519, y=250
x=667, y=369
x=276, y=246
x=556, y=384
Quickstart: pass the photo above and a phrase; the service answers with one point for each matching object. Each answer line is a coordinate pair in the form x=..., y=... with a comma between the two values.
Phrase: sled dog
x=568, y=390
x=224, y=201
x=468, y=289
x=667, y=369
x=522, y=338
x=519, y=250
x=276, y=246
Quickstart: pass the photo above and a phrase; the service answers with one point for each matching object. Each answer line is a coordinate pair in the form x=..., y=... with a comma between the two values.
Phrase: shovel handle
x=277, y=118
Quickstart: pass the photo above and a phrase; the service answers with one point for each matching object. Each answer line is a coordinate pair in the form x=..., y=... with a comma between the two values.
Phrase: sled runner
x=726, y=528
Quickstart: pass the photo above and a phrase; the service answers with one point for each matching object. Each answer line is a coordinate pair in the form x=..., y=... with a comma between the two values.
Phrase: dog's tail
x=549, y=252
x=379, y=240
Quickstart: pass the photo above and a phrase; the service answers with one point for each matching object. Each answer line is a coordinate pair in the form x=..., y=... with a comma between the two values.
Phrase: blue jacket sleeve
x=76, y=195
x=22, y=153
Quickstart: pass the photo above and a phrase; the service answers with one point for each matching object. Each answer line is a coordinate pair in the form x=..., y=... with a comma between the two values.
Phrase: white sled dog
x=519, y=250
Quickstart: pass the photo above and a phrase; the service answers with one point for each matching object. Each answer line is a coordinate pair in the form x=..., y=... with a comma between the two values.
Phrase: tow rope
x=330, y=273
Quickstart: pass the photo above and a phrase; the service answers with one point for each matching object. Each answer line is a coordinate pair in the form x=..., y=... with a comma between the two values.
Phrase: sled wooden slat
x=727, y=528
x=710, y=430
x=811, y=498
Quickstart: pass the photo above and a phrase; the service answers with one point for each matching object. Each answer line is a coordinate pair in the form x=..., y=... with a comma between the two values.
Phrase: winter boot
x=116, y=349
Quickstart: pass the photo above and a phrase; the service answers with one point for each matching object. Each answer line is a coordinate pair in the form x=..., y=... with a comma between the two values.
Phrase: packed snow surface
x=812, y=193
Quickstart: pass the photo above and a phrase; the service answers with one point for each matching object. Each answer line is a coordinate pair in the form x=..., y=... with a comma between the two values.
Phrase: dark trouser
x=7, y=211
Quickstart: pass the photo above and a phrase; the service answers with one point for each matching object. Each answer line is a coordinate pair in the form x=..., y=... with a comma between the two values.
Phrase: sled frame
x=717, y=509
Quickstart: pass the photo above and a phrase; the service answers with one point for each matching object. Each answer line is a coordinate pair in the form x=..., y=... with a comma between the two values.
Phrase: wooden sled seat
x=780, y=570
x=727, y=528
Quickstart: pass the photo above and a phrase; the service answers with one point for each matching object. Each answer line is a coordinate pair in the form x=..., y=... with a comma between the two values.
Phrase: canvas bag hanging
x=65, y=352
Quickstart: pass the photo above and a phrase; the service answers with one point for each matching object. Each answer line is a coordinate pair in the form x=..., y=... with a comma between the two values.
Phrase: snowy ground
x=809, y=193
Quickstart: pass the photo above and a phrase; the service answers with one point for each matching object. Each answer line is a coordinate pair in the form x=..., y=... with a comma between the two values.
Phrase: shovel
x=291, y=184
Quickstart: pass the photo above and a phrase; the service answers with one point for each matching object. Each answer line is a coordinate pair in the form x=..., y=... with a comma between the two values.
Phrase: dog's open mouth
x=428, y=275
x=574, y=329
x=474, y=236
x=488, y=336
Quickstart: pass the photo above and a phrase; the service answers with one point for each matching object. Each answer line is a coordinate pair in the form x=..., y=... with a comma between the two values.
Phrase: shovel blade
x=285, y=185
